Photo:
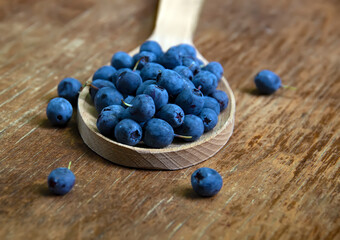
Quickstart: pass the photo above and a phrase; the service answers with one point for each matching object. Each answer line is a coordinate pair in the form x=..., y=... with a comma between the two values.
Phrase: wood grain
x=280, y=167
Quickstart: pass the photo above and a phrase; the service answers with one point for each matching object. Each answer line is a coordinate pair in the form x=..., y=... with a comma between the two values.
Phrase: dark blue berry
x=186, y=50
x=206, y=81
x=69, y=88
x=104, y=73
x=144, y=85
x=158, y=133
x=185, y=72
x=118, y=73
x=98, y=84
x=121, y=60
x=142, y=108
x=267, y=82
x=107, y=96
x=206, y=182
x=128, y=99
x=108, y=119
x=150, y=71
x=192, y=126
x=188, y=84
x=215, y=68
x=171, y=113
x=152, y=46
x=209, y=119
x=212, y=103
x=172, y=58
x=222, y=99
x=159, y=95
x=128, y=132
x=128, y=82
x=59, y=111
x=61, y=181
x=171, y=81
x=191, y=101
x=192, y=64
x=143, y=58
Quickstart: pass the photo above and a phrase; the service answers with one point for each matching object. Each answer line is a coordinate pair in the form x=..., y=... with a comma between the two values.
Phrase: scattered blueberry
x=191, y=101
x=128, y=132
x=59, y=111
x=171, y=113
x=158, y=133
x=215, y=68
x=206, y=81
x=192, y=126
x=69, y=88
x=206, y=182
x=222, y=99
x=128, y=82
x=107, y=96
x=209, y=119
x=104, y=73
x=150, y=71
x=267, y=82
x=121, y=60
x=61, y=181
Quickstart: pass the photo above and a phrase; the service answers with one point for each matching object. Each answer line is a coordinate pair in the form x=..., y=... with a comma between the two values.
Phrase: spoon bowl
x=179, y=154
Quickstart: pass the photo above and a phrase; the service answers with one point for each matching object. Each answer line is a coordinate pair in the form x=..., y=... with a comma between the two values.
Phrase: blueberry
x=159, y=95
x=117, y=73
x=200, y=62
x=158, y=133
x=128, y=132
x=222, y=99
x=212, y=103
x=128, y=82
x=152, y=46
x=188, y=84
x=192, y=126
x=206, y=182
x=150, y=71
x=98, y=84
x=104, y=73
x=59, y=111
x=206, y=81
x=192, y=64
x=61, y=181
x=107, y=96
x=121, y=60
x=267, y=82
x=142, y=108
x=143, y=58
x=69, y=88
x=187, y=50
x=171, y=81
x=172, y=58
x=209, y=119
x=144, y=85
x=191, y=101
x=108, y=119
x=215, y=68
x=185, y=72
x=128, y=99
x=171, y=113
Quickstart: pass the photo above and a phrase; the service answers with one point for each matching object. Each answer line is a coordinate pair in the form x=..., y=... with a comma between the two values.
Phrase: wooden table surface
x=280, y=168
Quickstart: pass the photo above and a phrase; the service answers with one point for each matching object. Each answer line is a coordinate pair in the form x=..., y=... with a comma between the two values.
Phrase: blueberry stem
x=69, y=165
x=181, y=136
x=289, y=87
x=126, y=104
x=136, y=65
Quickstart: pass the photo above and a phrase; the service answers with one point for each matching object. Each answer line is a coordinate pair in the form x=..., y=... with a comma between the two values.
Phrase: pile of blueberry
x=155, y=96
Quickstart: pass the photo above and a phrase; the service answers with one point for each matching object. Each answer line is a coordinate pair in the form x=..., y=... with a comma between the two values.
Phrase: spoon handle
x=176, y=22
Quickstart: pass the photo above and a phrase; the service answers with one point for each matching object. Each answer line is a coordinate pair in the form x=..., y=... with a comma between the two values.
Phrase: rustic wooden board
x=280, y=167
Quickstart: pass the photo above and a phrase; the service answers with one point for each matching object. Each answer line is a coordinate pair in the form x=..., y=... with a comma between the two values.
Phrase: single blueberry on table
x=98, y=84
x=107, y=96
x=150, y=71
x=222, y=99
x=215, y=68
x=128, y=82
x=104, y=73
x=191, y=126
x=108, y=119
x=267, y=82
x=157, y=133
x=142, y=58
x=142, y=108
x=212, y=103
x=171, y=81
x=128, y=132
x=69, y=88
x=159, y=95
x=61, y=181
x=206, y=182
x=152, y=46
x=209, y=119
x=144, y=85
x=206, y=81
x=59, y=111
x=171, y=113
x=191, y=101
x=121, y=60
x=185, y=72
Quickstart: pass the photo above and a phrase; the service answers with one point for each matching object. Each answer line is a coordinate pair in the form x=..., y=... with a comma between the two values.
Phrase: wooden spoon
x=176, y=22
